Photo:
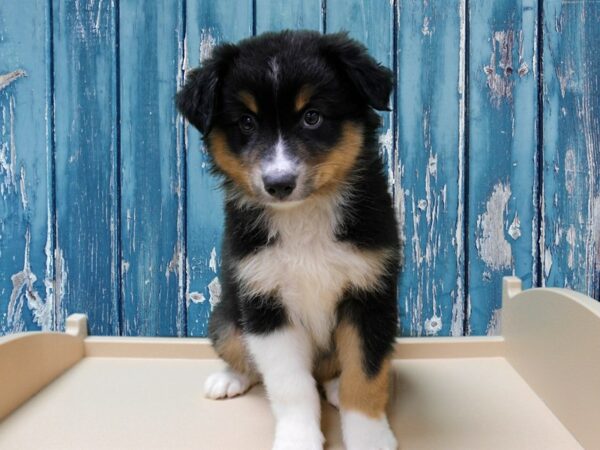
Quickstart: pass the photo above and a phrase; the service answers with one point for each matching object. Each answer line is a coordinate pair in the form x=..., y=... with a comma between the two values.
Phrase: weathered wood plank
x=26, y=228
x=87, y=216
x=293, y=14
x=208, y=23
x=429, y=169
x=152, y=252
x=502, y=190
x=571, y=102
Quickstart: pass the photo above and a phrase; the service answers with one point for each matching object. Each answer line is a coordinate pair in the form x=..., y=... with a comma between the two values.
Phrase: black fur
x=374, y=314
x=197, y=101
x=261, y=315
x=348, y=85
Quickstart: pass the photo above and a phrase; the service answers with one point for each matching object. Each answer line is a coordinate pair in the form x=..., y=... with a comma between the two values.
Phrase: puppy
x=311, y=249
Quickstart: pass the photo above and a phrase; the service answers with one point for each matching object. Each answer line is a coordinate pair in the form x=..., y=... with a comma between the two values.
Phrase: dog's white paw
x=297, y=434
x=364, y=433
x=226, y=384
x=332, y=392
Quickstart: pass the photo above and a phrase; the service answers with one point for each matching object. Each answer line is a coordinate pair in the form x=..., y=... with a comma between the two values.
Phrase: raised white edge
x=199, y=348
x=552, y=339
x=30, y=361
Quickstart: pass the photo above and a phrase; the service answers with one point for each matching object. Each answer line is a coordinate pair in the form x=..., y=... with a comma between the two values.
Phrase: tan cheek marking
x=357, y=391
x=333, y=169
x=249, y=101
x=228, y=162
x=230, y=347
x=303, y=97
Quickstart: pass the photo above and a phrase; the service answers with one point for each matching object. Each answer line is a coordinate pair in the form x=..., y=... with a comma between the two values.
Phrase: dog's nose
x=280, y=185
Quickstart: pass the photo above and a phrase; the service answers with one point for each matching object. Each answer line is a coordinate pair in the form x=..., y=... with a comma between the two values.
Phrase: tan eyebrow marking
x=303, y=97
x=249, y=101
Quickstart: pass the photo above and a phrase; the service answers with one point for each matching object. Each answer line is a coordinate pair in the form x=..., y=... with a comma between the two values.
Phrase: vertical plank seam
x=51, y=169
x=253, y=17
x=395, y=69
x=117, y=252
x=324, y=16
x=466, y=162
x=183, y=178
x=540, y=142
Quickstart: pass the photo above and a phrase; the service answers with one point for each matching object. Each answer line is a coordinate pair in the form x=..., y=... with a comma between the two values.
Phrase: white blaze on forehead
x=281, y=161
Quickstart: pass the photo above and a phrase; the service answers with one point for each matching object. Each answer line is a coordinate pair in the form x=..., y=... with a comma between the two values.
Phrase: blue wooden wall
x=107, y=206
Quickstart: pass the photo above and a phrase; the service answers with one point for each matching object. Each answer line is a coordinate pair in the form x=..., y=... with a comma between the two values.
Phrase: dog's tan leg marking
x=362, y=398
x=239, y=376
x=326, y=368
x=358, y=391
x=231, y=348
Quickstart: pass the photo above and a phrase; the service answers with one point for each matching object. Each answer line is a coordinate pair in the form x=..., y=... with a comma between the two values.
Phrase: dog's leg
x=332, y=392
x=239, y=376
x=284, y=358
x=364, y=338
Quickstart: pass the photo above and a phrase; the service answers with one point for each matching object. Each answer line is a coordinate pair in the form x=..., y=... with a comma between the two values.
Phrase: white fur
x=284, y=358
x=226, y=384
x=281, y=162
x=365, y=433
x=332, y=392
x=307, y=267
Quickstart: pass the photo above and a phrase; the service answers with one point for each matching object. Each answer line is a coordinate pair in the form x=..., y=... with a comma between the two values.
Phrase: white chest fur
x=308, y=268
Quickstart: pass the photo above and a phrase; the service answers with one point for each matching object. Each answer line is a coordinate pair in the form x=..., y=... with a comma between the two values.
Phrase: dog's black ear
x=197, y=99
x=372, y=81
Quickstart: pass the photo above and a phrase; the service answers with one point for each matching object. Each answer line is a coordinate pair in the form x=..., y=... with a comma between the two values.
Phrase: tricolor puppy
x=311, y=249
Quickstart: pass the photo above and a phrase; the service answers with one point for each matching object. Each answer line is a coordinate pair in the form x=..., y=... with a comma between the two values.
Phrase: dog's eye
x=312, y=118
x=247, y=123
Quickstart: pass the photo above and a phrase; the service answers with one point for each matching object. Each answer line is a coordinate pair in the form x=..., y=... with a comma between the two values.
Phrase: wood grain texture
x=430, y=166
x=87, y=215
x=502, y=191
x=26, y=228
x=207, y=23
x=571, y=191
x=273, y=15
x=150, y=36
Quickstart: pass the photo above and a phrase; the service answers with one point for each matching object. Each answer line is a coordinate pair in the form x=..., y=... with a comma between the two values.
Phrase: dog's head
x=285, y=115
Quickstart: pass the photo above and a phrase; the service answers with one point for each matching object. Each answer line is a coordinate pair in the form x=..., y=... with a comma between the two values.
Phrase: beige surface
x=119, y=403
x=553, y=340
x=149, y=347
x=449, y=393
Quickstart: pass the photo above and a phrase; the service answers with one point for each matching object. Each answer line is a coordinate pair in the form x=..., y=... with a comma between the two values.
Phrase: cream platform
x=535, y=387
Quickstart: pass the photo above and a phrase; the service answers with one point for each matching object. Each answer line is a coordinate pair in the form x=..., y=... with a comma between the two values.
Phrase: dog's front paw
x=365, y=433
x=226, y=384
x=296, y=434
